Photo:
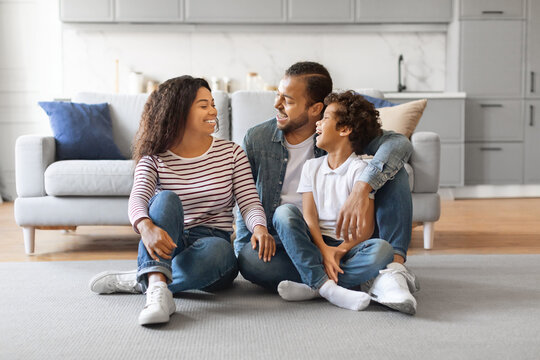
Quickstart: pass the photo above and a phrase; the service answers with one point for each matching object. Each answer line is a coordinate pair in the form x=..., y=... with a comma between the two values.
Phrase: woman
x=185, y=186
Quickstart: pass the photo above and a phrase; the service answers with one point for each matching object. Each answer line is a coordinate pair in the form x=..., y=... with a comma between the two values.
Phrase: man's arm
x=391, y=151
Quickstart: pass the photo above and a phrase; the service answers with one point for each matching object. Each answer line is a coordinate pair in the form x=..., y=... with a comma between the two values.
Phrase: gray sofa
x=95, y=192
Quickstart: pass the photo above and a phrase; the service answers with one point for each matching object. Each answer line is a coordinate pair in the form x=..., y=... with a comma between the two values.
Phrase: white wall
x=354, y=59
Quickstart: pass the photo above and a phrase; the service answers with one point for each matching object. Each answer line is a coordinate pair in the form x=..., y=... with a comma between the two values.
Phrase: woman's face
x=202, y=117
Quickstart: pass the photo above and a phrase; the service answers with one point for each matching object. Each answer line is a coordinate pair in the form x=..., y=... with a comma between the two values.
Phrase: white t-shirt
x=298, y=155
x=330, y=188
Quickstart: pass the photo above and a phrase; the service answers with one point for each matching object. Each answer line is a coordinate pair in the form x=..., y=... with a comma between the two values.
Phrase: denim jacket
x=267, y=154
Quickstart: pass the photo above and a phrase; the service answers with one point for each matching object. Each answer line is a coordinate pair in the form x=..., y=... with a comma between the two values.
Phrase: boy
x=349, y=123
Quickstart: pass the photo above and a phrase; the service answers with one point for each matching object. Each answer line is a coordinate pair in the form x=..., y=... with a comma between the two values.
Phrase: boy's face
x=326, y=128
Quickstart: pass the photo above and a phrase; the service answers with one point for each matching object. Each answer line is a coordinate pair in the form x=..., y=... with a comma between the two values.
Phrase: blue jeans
x=298, y=258
x=203, y=259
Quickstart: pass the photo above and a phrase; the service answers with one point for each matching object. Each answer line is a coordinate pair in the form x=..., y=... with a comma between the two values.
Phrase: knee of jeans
x=249, y=264
x=166, y=203
x=285, y=214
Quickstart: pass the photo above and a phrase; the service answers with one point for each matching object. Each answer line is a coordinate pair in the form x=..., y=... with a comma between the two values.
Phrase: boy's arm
x=330, y=260
x=391, y=151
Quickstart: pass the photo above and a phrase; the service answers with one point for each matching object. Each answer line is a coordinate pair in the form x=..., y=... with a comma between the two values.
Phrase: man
x=277, y=150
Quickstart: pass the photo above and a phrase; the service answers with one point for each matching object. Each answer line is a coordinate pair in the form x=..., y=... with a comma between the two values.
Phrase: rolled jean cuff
x=152, y=267
x=400, y=252
x=321, y=282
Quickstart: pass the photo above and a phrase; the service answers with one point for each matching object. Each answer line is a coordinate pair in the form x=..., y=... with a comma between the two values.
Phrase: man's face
x=291, y=104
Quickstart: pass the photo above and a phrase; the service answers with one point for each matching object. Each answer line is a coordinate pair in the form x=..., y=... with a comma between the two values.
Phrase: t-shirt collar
x=342, y=169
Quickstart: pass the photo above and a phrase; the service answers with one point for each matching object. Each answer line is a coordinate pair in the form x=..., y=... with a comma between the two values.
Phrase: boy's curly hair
x=359, y=115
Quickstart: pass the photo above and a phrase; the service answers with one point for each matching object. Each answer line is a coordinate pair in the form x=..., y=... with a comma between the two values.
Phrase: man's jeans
x=359, y=264
x=393, y=211
x=204, y=258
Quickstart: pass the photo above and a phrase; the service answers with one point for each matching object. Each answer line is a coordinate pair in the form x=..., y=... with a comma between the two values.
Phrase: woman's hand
x=331, y=257
x=267, y=244
x=156, y=240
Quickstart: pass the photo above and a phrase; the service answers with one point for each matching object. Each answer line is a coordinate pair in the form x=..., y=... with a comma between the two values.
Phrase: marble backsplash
x=354, y=59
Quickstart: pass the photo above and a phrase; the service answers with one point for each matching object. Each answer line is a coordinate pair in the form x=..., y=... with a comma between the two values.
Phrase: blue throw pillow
x=378, y=103
x=82, y=131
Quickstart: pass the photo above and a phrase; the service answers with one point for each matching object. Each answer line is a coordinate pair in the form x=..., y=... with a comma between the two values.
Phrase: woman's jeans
x=203, y=259
x=359, y=264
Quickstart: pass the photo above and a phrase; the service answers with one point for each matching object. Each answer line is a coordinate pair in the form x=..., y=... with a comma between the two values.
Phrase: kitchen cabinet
x=235, y=11
x=444, y=115
x=86, y=11
x=493, y=163
x=320, y=11
x=492, y=9
x=491, y=57
x=533, y=50
x=532, y=142
x=494, y=120
x=148, y=10
x=399, y=11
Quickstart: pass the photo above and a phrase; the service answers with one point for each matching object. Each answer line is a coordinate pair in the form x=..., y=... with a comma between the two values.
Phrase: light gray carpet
x=470, y=307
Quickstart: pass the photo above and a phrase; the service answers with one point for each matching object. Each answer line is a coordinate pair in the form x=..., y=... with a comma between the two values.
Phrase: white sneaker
x=391, y=288
x=159, y=305
x=109, y=282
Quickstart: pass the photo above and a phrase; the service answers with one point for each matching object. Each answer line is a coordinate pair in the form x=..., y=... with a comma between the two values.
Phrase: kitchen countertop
x=424, y=95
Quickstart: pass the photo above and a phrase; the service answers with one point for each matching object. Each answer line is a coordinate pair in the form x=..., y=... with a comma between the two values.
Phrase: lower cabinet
x=494, y=163
x=532, y=142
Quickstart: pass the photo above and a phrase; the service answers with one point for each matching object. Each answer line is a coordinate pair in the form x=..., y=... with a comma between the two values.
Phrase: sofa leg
x=429, y=233
x=29, y=235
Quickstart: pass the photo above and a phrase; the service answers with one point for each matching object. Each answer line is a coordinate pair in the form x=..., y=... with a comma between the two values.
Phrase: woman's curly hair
x=164, y=117
x=357, y=114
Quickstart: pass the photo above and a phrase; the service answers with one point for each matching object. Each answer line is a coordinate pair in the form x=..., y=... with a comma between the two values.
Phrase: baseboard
x=490, y=191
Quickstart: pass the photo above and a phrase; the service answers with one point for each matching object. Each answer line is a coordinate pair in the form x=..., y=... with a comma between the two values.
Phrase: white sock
x=293, y=291
x=344, y=298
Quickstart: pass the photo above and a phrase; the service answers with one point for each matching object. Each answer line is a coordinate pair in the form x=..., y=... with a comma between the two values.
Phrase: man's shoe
x=109, y=282
x=159, y=305
x=391, y=288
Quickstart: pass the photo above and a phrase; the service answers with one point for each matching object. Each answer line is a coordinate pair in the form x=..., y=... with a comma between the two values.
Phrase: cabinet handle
x=491, y=105
x=532, y=81
x=492, y=12
x=531, y=114
x=491, y=148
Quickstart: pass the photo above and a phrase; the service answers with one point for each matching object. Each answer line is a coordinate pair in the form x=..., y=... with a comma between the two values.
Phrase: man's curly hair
x=358, y=114
x=165, y=114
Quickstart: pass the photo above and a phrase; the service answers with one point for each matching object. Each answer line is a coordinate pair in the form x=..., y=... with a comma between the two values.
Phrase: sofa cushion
x=89, y=178
x=378, y=103
x=402, y=118
x=81, y=131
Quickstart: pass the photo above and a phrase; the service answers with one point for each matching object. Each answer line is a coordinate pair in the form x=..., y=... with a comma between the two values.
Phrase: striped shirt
x=207, y=186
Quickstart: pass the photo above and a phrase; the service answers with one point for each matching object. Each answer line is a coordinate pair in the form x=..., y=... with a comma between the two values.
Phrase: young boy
x=349, y=123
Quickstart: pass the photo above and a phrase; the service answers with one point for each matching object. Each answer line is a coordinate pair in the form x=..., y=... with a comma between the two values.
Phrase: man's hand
x=156, y=240
x=331, y=258
x=354, y=215
x=267, y=244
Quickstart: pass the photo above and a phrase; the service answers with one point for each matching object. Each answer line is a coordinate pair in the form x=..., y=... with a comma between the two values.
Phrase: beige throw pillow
x=402, y=118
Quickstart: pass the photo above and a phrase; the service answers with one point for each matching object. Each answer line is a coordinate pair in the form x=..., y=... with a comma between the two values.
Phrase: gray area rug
x=469, y=307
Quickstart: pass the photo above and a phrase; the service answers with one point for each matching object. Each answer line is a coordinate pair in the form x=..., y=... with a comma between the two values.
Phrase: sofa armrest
x=33, y=154
x=425, y=161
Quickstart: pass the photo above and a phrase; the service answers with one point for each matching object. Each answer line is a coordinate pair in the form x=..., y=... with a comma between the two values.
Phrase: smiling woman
x=186, y=183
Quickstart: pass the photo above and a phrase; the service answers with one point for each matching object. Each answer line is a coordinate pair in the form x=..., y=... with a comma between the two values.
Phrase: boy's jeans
x=204, y=258
x=359, y=264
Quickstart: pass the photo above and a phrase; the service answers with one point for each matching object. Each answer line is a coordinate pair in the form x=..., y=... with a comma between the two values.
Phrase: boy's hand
x=354, y=213
x=331, y=258
x=267, y=244
x=156, y=240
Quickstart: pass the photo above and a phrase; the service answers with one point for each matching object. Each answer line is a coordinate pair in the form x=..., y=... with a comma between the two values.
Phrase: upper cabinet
x=533, y=51
x=320, y=11
x=257, y=11
x=492, y=9
x=148, y=11
x=399, y=11
x=235, y=11
x=86, y=11
x=491, y=58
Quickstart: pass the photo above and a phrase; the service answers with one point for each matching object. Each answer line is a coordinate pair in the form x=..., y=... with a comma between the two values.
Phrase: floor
x=485, y=226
